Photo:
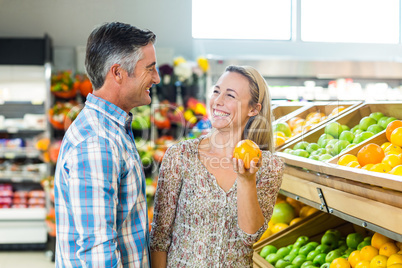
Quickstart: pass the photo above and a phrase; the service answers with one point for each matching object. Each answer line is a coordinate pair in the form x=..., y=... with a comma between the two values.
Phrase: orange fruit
x=378, y=240
x=379, y=261
x=381, y=167
x=354, y=258
x=368, y=166
x=279, y=133
x=397, y=170
x=248, y=151
x=295, y=204
x=346, y=159
x=292, y=121
x=396, y=265
x=339, y=263
x=295, y=220
x=279, y=140
x=311, y=211
x=303, y=211
x=394, y=259
x=385, y=145
x=392, y=160
x=353, y=164
x=368, y=252
x=395, y=149
x=363, y=264
x=370, y=154
x=391, y=127
x=396, y=136
x=266, y=234
x=388, y=249
x=279, y=227
x=399, y=245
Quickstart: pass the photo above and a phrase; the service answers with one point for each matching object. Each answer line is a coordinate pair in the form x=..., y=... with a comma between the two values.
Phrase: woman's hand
x=243, y=173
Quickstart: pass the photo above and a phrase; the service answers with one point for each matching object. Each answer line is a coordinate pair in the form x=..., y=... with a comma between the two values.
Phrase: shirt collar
x=109, y=109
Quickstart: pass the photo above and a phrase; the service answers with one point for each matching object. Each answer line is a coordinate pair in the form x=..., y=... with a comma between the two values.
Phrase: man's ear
x=116, y=72
x=254, y=111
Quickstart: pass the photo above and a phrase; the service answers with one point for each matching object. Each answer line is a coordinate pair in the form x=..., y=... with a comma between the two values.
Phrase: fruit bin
x=350, y=118
x=313, y=226
x=317, y=107
x=287, y=109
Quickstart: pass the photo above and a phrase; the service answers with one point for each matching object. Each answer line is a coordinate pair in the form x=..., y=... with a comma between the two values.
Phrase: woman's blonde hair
x=259, y=127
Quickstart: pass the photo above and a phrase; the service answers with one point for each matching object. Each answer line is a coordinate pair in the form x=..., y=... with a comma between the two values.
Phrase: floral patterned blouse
x=195, y=220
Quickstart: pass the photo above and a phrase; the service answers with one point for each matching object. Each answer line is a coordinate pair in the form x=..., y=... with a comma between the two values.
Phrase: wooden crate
x=325, y=108
x=313, y=226
x=330, y=167
x=280, y=110
x=350, y=118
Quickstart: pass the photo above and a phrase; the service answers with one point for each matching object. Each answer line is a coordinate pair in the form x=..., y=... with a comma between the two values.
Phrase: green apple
x=365, y=135
x=312, y=147
x=332, y=255
x=357, y=132
x=347, y=136
x=354, y=128
x=325, y=157
x=298, y=261
x=301, y=145
x=325, y=137
x=382, y=121
x=365, y=122
x=288, y=151
x=282, y=263
x=323, y=249
x=320, y=258
x=273, y=258
x=345, y=127
x=290, y=257
x=342, y=144
x=283, y=251
x=268, y=249
x=314, y=157
x=311, y=255
x=334, y=129
x=389, y=120
x=301, y=152
x=362, y=136
x=353, y=240
x=376, y=116
x=375, y=128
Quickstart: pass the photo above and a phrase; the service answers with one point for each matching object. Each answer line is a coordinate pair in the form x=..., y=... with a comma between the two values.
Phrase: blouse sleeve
x=166, y=198
x=269, y=180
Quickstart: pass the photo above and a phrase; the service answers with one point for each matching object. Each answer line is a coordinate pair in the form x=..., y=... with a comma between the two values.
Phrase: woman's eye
x=230, y=95
x=216, y=91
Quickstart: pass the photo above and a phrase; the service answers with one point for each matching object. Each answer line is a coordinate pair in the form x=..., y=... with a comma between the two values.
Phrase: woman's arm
x=158, y=259
x=250, y=217
x=257, y=195
x=166, y=198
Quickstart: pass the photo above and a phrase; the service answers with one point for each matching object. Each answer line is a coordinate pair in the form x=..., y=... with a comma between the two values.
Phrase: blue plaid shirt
x=100, y=200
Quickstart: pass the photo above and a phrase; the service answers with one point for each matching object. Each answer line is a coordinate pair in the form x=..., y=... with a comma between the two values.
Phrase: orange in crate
x=370, y=154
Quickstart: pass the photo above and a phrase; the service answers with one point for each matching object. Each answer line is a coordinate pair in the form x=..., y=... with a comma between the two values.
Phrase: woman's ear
x=256, y=110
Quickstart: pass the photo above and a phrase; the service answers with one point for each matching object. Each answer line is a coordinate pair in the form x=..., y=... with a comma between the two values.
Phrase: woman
x=209, y=209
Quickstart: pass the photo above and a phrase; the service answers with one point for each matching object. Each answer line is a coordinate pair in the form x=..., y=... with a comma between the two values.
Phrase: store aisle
x=24, y=259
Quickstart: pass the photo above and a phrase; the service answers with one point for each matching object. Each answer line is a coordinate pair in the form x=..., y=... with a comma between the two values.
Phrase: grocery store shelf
x=9, y=214
x=22, y=152
x=372, y=207
x=14, y=176
x=23, y=225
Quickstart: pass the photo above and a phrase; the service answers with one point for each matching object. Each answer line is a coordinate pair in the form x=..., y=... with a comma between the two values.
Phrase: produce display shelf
x=286, y=110
x=373, y=207
x=313, y=226
x=21, y=176
x=318, y=107
x=25, y=152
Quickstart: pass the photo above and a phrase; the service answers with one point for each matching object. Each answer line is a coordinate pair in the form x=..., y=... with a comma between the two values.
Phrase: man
x=100, y=201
